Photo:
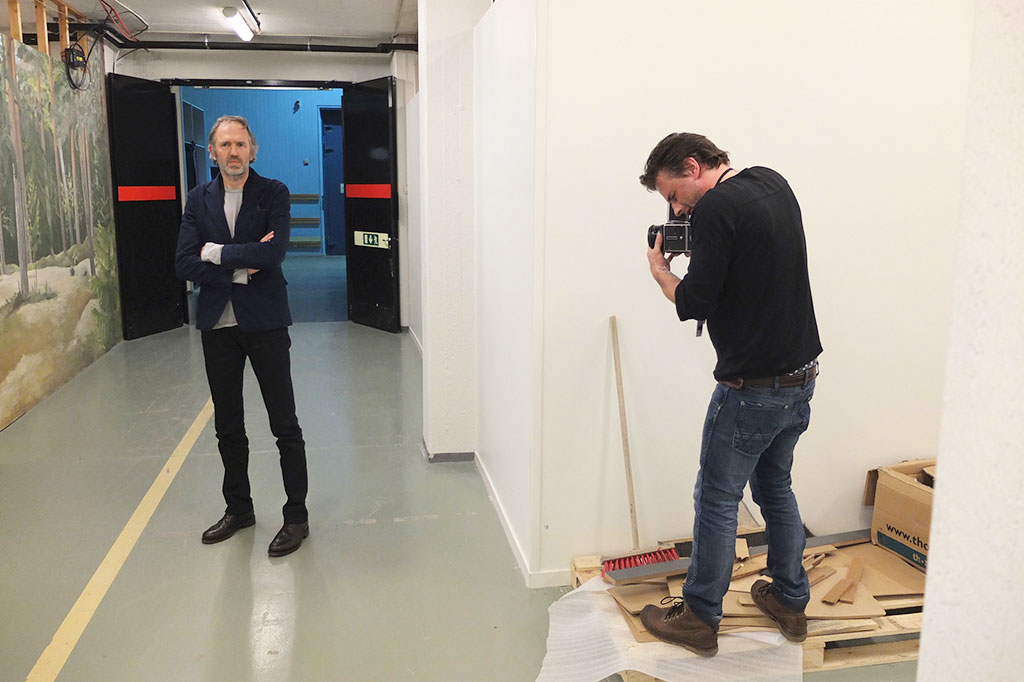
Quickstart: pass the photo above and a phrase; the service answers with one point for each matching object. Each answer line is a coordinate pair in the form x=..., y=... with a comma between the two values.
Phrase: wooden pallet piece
x=584, y=568
x=862, y=648
x=818, y=657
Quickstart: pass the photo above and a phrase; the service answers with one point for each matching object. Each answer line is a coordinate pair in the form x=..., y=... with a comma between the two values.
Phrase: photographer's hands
x=661, y=269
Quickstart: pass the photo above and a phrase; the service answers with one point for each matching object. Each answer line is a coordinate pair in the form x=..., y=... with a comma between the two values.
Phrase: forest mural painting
x=59, y=305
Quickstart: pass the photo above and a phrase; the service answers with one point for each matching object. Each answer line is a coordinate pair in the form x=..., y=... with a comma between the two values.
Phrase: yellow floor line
x=70, y=631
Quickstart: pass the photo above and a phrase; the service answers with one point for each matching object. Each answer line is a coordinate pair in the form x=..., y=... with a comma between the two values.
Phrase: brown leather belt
x=783, y=381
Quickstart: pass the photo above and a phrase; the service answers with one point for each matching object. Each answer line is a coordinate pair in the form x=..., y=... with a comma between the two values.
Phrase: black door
x=147, y=209
x=334, y=183
x=371, y=203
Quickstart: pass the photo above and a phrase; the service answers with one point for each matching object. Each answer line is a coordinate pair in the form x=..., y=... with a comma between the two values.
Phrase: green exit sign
x=376, y=240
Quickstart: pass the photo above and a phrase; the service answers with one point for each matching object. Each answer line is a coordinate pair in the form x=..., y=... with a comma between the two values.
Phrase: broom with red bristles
x=638, y=558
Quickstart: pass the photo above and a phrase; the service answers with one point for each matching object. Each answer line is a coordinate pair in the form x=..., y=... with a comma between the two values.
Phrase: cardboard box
x=902, y=496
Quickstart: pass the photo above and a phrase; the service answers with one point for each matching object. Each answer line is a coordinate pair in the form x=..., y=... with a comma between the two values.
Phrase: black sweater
x=748, y=277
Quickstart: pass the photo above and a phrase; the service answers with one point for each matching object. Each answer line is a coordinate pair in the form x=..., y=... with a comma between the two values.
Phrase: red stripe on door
x=368, y=191
x=147, y=193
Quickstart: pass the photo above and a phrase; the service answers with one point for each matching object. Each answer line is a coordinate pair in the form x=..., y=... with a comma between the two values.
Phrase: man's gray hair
x=242, y=122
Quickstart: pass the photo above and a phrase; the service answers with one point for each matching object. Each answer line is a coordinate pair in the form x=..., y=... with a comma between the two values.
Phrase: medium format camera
x=678, y=237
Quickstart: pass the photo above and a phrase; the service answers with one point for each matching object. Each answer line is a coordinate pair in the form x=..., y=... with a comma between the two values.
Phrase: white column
x=447, y=231
x=405, y=70
x=975, y=591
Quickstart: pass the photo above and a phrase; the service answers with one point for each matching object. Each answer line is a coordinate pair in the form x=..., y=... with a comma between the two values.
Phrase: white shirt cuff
x=241, y=276
x=211, y=252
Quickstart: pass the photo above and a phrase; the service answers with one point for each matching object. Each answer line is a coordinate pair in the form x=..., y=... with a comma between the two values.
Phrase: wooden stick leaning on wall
x=625, y=435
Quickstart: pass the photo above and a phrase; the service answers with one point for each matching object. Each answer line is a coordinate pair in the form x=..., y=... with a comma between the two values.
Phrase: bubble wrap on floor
x=588, y=640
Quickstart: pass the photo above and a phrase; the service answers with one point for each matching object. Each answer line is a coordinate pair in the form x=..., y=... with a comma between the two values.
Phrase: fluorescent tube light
x=237, y=23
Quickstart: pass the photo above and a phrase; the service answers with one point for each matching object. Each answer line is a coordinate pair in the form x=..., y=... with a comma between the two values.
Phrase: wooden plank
x=732, y=605
x=14, y=13
x=819, y=573
x=640, y=633
x=864, y=605
x=832, y=596
x=42, y=40
x=634, y=676
x=861, y=647
x=742, y=551
x=828, y=630
x=853, y=574
x=623, y=431
x=869, y=654
x=633, y=598
x=675, y=585
x=583, y=568
x=884, y=626
x=894, y=603
x=65, y=34
x=890, y=565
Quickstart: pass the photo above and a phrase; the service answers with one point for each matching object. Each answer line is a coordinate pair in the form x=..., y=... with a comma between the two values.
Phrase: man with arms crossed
x=747, y=277
x=233, y=239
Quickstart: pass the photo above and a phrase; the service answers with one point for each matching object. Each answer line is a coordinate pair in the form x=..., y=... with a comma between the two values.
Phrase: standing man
x=233, y=239
x=748, y=278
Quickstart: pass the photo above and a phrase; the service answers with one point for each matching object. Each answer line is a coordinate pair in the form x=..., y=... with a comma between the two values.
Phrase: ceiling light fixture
x=238, y=24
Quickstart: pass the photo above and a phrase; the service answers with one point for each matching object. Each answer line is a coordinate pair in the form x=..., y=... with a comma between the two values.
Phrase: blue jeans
x=749, y=435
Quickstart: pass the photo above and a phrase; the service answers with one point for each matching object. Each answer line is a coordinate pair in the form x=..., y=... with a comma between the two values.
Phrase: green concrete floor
x=406, y=575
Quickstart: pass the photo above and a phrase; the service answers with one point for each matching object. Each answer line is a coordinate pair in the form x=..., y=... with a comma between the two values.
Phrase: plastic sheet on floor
x=588, y=640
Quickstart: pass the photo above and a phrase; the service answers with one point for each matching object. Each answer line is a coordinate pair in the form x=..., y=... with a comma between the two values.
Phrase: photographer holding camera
x=747, y=277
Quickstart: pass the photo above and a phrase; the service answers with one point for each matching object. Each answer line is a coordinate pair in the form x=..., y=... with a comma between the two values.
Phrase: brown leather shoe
x=288, y=539
x=792, y=624
x=679, y=625
x=226, y=527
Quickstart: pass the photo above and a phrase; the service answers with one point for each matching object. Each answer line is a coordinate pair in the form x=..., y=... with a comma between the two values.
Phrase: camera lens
x=652, y=235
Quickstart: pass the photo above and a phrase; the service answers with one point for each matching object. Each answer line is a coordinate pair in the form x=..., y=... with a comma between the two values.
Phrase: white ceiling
x=337, y=19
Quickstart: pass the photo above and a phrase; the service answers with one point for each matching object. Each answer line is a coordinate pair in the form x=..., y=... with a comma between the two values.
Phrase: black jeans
x=225, y=351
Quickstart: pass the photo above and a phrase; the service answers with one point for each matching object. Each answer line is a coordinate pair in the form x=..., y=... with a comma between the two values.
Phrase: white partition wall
x=446, y=233
x=861, y=106
x=973, y=627
x=506, y=281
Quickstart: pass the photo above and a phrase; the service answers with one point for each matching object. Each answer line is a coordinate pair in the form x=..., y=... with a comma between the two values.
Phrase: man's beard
x=233, y=172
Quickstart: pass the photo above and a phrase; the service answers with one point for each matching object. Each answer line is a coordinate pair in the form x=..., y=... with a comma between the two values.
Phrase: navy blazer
x=261, y=304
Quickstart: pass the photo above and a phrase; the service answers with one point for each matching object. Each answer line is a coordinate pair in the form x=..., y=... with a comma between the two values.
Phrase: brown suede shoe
x=679, y=625
x=792, y=624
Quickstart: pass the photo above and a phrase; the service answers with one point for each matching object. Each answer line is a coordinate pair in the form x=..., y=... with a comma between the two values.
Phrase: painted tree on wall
x=18, y=163
x=58, y=277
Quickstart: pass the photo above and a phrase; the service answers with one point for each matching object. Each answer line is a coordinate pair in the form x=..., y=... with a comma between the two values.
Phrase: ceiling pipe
x=119, y=41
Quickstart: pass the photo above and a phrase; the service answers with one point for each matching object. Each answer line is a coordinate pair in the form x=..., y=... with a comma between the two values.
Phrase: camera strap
x=722, y=176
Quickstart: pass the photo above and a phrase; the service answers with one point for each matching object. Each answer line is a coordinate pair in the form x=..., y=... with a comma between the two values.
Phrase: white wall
x=973, y=625
x=862, y=108
x=504, y=109
x=404, y=68
x=447, y=231
x=414, y=270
